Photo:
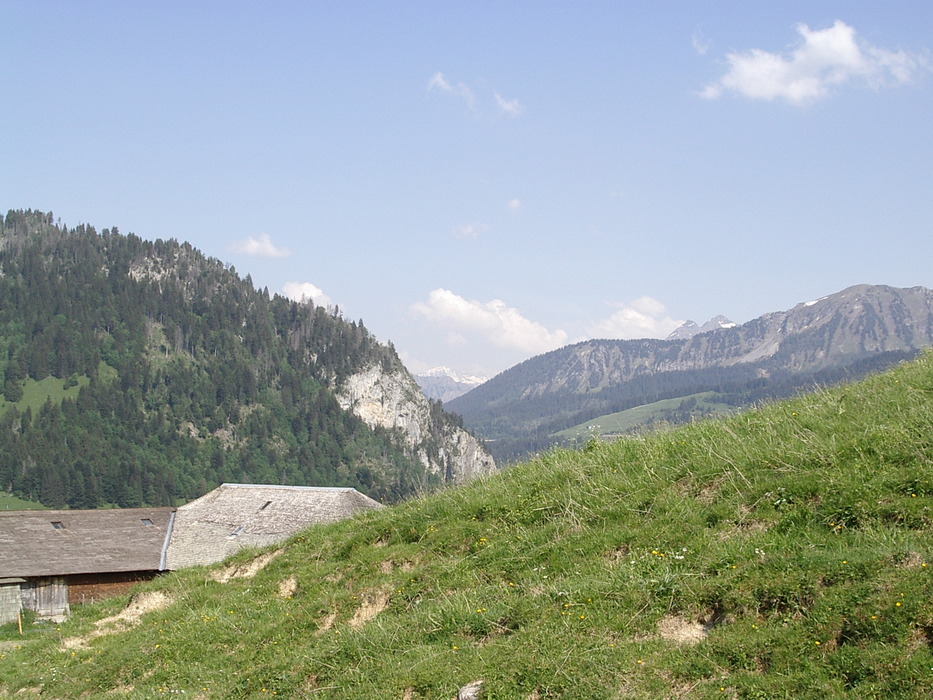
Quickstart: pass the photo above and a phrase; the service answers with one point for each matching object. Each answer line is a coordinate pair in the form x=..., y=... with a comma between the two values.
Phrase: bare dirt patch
x=245, y=570
x=129, y=617
x=708, y=493
x=741, y=528
x=326, y=624
x=121, y=690
x=288, y=587
x=910, y=560
x=373, y=603
x=680, y=630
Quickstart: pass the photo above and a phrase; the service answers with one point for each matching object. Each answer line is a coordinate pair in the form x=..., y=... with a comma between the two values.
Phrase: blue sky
x=482, y=182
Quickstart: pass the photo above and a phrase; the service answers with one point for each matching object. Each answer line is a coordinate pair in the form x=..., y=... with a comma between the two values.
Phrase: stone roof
x=60, y=542
x=234, y=516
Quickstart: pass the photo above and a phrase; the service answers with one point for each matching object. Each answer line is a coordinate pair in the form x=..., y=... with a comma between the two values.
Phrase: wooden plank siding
x=47, y=596
x=10, y=599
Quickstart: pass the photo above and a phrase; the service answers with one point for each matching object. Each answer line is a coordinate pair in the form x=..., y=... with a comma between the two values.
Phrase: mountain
x=843, y=335
x=690, y=328
x=444, y=383
x=144, y=373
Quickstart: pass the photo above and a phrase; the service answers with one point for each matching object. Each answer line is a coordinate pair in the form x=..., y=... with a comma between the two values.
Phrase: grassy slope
x=614, y=424
x=10, y=502
x=36, y=393
x=798, y=534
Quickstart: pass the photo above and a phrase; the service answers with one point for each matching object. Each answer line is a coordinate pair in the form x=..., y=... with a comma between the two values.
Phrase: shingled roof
x=234, y=516
x=62, y=542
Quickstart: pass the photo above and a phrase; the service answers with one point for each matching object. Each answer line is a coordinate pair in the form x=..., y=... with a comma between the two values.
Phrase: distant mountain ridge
x=841, y=335
x=690, y=328
x=445, y=384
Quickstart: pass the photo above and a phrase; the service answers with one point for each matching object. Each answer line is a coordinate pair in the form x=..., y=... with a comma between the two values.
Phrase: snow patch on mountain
x=446, y=384
x=690, y=328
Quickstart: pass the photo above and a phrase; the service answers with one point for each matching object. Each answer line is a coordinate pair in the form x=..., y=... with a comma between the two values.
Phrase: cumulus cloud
x=305, y=292
x=822, y=60
x=260, y=246
x=494, y=321
x=515, y=204
x=644, y=317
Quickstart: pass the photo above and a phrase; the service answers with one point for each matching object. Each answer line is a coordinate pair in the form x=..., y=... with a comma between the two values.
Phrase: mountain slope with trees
x=141, y=372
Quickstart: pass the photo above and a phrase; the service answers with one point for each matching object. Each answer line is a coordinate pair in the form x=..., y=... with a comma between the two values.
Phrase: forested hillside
x=137, y=372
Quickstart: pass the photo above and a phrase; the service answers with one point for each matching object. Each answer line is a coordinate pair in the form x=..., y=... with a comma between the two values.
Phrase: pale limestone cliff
x=394, y=400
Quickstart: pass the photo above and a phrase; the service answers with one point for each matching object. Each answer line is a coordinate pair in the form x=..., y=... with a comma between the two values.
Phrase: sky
x=482, y=182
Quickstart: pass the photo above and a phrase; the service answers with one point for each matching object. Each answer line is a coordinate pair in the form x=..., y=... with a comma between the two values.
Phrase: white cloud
x=439, y=82
x=510, y=107
x=515, y=204
x=260, y=246
x=700, y=43
x=644, y=317
x=470, y=230
x=825, y=58
x=479, y=106
x=305, y=292
x=493, y=321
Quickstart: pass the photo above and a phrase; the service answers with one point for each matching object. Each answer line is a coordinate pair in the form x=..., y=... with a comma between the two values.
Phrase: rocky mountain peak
x=690, y=328
x=446, y=384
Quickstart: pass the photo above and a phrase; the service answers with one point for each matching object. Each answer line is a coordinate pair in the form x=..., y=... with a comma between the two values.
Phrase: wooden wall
x=47, y=595
x=86, y=588
x=10, y=604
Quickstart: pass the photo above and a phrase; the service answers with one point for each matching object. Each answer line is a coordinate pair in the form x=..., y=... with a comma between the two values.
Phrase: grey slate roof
x=84, y=542
x=234, y=516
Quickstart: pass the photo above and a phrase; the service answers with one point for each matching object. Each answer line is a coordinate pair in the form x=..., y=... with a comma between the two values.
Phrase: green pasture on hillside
x=784, y=552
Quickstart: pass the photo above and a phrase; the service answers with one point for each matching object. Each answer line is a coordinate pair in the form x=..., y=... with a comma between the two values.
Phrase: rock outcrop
x=393, y=400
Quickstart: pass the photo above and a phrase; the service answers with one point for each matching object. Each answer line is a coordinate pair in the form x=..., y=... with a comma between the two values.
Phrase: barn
x=52, y=559
x=57, y=558
x=234, y=516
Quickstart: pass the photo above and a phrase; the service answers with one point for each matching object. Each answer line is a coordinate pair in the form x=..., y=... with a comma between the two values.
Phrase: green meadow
x=657, y=412
x=783, y=552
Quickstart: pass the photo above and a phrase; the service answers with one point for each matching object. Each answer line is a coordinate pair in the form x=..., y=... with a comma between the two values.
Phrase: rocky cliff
x=393, y=400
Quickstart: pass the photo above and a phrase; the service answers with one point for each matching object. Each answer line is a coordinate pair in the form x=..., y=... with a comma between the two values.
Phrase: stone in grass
x=471, y=691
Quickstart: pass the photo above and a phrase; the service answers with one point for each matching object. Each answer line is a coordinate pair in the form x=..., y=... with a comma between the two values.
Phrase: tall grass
x=778, y=553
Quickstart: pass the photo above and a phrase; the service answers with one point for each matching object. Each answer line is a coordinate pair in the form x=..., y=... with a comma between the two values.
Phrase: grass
x=36, y=393
x=10, y=502
x=621, y=422
x=779, y=553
